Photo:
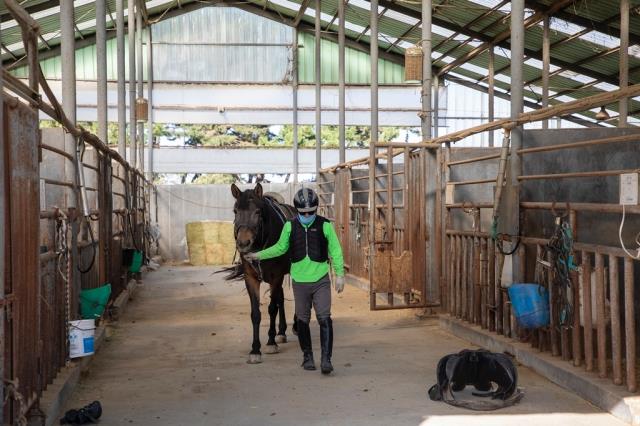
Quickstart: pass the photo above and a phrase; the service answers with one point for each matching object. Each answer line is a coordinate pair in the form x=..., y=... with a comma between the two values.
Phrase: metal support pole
x=546, y=60
x=341, y=82
x=517, y=107
x=140, y=69
x=131, y=28
x=294, y=88
x=67, y=50
x=373, y=44
x=318, y=91
x=491, y=92
x=624, y=60
x=436, y=102
x=101, y=68
x=150, y=99
x=425, y=115
x=3, y=240
x=122, y=102
x=432, y=168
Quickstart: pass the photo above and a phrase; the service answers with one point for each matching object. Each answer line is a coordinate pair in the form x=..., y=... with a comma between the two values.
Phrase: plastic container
x=93, y=301
x=132, y=259
x=81, y=338
x=530, y=305
x=136, y=262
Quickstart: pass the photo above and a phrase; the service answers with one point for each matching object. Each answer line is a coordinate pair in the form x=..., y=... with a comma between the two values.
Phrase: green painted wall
x=86, y=63
x=357, y=64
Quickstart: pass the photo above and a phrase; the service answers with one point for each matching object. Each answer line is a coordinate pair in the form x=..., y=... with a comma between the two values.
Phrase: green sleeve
x=335, y=251
x=279, y=248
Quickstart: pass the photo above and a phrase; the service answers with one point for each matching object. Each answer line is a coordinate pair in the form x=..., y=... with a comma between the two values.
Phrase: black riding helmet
x=306, y=200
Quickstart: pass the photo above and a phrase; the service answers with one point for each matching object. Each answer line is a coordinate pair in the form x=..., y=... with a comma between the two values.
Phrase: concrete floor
x=178, y=357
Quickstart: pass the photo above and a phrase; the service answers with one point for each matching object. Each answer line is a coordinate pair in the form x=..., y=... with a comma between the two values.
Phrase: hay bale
x=197, y=254
x=210, y=231
x=195, y=234
x=225, y=233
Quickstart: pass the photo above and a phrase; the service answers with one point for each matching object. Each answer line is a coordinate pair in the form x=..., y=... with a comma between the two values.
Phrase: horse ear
x=258, y=190
x=235, y=191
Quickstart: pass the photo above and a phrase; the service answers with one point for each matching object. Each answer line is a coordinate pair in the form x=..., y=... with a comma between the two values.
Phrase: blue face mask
x=305, y=220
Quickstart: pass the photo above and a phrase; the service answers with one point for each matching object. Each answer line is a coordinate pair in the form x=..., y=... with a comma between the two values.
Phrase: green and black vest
x=308, y=241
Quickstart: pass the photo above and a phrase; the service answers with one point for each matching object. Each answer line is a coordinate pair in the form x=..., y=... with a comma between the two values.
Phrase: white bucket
x=81, y=341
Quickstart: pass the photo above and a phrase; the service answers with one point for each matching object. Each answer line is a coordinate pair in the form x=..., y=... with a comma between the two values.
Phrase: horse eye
x=235, y=210
x=256, y=212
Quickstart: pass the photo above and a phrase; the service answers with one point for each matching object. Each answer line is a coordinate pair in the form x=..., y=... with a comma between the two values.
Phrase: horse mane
x=276, y=213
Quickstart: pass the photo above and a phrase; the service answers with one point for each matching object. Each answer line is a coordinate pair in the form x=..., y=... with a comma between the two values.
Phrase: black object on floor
x=481, y=369
x=88, y=414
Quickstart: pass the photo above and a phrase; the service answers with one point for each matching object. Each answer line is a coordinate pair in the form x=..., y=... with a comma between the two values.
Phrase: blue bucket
x=530, y=305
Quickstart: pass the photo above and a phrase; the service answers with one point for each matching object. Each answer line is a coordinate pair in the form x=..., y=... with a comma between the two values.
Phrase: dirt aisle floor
x=178, y=357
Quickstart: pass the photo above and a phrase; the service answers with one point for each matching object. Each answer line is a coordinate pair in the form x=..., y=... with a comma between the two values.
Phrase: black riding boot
x=326, y=342
x=304, y=337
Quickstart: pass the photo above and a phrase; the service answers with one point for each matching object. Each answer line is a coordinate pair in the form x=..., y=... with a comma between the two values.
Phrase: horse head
x=247, y=224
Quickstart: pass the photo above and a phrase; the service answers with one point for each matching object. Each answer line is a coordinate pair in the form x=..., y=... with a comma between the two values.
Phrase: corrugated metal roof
x=451, y=15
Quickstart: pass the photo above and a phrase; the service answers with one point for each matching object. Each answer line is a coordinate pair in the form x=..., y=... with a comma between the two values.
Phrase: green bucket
x=93, y=301
x=136, y=262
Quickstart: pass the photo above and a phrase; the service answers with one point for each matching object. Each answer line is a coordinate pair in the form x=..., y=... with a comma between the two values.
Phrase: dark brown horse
x=257, y=225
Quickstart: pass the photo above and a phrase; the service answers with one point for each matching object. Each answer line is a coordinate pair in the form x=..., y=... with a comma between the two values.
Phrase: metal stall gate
x=54, y=251
x=396, y=270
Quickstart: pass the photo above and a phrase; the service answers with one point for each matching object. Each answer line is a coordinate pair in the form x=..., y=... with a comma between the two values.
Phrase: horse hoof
x=254, y=359
x=271, y=349
x=281, y=338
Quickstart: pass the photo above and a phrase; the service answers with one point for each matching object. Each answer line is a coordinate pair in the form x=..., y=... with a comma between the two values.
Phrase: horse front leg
x=253, y=288
x=282, y=323
x=272, y=345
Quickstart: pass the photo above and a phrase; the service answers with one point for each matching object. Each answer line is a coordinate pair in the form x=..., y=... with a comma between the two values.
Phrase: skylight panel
x=401, y=17
x=563, y=26
x=503, y=78
x=488, y=3
x=601, y=39
x=634, y=51
x=577, y=77
x=473, y=68
x=284, y=3
x=405, y=44
x=605, y=86
x=441, y=31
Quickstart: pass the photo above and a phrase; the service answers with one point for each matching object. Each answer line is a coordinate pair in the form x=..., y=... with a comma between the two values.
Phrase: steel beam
x=623, y=108
x=140, y=94
x=150, y=100
x=603, y=27
x=341, y=80
x=517, y=107
x=491, y=92
x=318, y=78
x=122, y=108
x=472, y=22
x=131, y=28
x=68, y=60
x=546, y=59
x=529, y=22
x=373, y=44
x=300, y=14
x=528, y=104
x=4, y=238
x=432, y=167
x=294, y=84
x=101, y=68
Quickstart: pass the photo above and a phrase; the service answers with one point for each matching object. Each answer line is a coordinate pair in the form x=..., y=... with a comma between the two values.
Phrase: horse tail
x=234, y=272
